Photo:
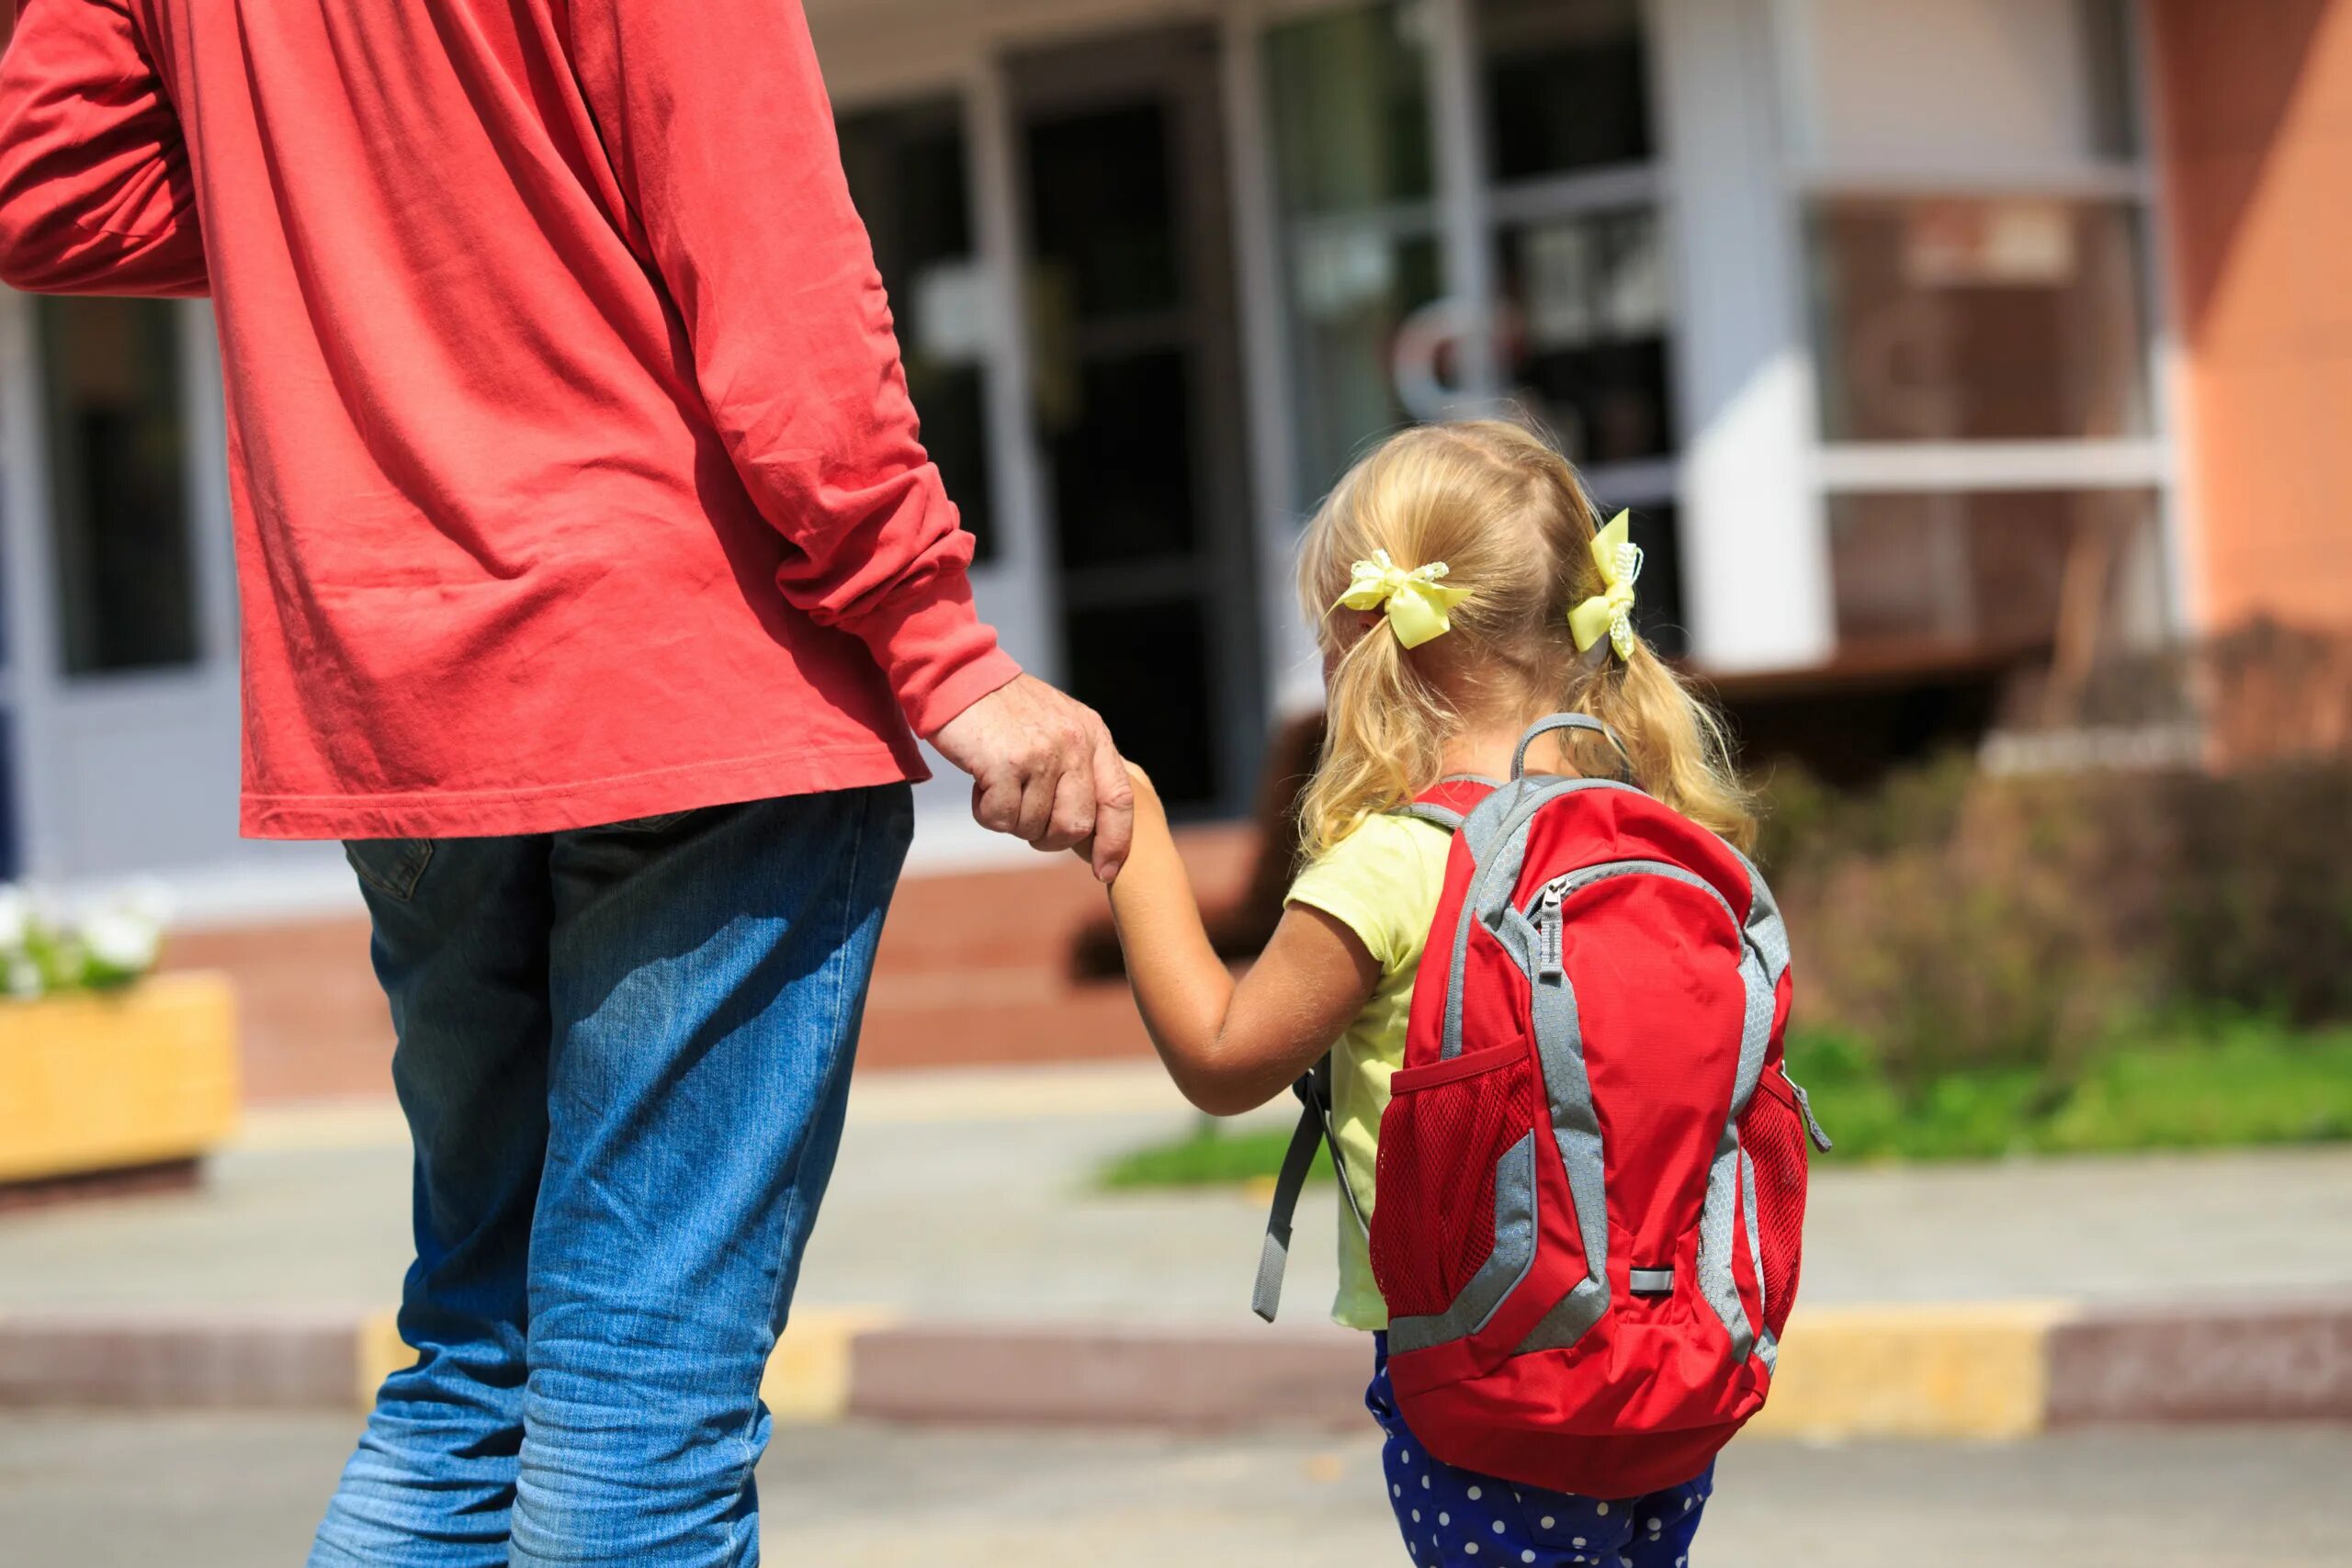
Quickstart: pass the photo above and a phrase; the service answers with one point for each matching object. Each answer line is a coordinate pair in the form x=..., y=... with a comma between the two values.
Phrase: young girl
x=1460, y=589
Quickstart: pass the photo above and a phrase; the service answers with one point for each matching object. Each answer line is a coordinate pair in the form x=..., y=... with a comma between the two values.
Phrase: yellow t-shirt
x=1382, y=882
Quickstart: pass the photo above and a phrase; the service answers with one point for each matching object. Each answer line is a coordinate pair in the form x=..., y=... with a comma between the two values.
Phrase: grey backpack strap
x=1544, y=726
x=1436, y=816
x=1313, y=1091
x=1444, y=816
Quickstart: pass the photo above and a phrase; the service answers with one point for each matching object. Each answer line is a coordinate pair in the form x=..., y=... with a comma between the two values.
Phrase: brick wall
x=974, y=969
x=2255, y=101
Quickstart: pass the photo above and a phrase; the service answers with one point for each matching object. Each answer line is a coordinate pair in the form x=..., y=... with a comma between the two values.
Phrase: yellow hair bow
x=1415, y=600
x=1610, y=612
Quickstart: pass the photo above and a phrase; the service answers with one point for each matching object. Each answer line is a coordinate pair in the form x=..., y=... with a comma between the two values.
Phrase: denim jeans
x=624, y=1054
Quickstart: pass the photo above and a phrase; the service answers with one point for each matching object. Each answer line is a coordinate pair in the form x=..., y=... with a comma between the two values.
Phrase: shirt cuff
x=939, y=656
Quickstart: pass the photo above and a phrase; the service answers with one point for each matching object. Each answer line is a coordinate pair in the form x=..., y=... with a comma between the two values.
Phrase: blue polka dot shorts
x=1456, y=1518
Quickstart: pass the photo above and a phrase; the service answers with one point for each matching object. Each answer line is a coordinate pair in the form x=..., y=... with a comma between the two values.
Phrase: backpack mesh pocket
x=1433, y=1215
x=1772, y=1131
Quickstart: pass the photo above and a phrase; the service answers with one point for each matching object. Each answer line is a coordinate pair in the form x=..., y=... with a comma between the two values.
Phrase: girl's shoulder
x=1390, y=844
x=1392, y=833
x=1384, y=881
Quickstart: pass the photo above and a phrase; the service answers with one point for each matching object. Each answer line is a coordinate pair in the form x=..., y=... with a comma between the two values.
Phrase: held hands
x=1150, y=827
x=1044, y=770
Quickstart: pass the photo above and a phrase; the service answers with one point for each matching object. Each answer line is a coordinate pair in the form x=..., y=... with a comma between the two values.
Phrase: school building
x=1919, y=335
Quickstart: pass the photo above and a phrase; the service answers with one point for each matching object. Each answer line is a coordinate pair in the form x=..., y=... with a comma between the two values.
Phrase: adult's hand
x=1044, y=770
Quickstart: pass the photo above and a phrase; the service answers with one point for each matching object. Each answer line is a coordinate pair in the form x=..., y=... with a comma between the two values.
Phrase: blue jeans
x=624, y=1054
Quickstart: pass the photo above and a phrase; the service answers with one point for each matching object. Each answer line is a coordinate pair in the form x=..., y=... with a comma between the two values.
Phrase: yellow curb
x=808, y=1377
x=379, y=1354
x=1959, y=1369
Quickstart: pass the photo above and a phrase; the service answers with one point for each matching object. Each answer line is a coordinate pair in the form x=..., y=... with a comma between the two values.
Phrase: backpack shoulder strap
x=1430, y=812
x=1446, y=803
x=1313, y=1091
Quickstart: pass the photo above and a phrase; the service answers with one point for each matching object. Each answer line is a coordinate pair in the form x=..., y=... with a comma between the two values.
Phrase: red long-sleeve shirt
x=574, y=470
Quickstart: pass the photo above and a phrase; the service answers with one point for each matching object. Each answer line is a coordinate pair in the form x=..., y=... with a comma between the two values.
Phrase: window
x=1580, y=255
x=1590, y=298
x=2013, y=568
x=1348, y=107
x=1979, y=319
x=1566, y=86
x=118, y=486
x=1578, y=240
x=1975, y=238
x=907, y=174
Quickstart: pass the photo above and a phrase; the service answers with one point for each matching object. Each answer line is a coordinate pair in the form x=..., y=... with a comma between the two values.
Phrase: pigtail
x=1679, y=749
x=1383, y=736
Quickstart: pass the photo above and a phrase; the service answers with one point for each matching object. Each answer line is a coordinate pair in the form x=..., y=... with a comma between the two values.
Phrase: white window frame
x=2150, y=463
x=1482, y=203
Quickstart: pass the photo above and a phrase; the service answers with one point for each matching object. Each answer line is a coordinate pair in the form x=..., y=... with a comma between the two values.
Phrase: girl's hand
x=1150, y=814
x=1229, y=1046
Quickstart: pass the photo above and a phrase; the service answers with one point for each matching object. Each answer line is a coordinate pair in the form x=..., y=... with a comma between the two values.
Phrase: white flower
x=15, y=918
x=21, y=978
x=147, y=899
x=121, y=941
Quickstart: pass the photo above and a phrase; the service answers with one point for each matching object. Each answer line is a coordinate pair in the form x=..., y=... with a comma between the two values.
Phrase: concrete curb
x=1991, y=1370
x=244, y=1359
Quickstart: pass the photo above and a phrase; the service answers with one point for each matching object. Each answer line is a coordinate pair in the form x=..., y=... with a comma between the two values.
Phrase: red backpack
x=1593, y=1173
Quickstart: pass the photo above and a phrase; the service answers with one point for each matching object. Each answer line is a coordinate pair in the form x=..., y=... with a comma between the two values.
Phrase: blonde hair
x=1509, y=518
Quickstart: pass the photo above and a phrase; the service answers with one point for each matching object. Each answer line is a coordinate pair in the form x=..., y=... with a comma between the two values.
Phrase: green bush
x=1965, y=923
x=1953, y=921
x=2259, y=909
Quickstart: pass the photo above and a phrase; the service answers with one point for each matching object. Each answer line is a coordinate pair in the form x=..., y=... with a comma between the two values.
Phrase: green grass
x=2187, y=1084
x=1209, y=1157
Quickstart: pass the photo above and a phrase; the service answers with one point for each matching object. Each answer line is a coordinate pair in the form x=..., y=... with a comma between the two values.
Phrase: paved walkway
x=230, y=1492
x=970, y=1196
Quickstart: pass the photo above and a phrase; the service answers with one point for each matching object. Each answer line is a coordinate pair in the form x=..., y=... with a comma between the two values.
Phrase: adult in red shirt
x=594, y=587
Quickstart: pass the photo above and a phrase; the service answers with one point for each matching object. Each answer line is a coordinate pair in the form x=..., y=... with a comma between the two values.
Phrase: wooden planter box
x=138, y=1078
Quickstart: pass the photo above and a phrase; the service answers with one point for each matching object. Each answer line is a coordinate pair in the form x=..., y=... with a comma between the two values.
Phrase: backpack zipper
x=1548, y=918
x=1812, y=1124
x=1548, y=965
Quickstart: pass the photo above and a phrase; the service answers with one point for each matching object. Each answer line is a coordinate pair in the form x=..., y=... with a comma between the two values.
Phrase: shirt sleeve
x=1375, y=882
x=719, y=131
x=96, y=194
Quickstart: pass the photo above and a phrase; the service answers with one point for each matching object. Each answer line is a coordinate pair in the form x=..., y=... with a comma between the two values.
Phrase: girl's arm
x=1230, y=1045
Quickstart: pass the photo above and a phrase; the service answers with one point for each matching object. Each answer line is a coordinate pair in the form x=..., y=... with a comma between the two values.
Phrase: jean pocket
x=654, y=824
x=391, y=866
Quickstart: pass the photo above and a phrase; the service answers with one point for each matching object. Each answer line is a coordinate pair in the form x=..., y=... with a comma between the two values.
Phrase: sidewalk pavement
x=123, y=1490
x=967, y=1267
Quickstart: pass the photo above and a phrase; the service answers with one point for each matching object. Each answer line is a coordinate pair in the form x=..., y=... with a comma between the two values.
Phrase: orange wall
x=2255, y=99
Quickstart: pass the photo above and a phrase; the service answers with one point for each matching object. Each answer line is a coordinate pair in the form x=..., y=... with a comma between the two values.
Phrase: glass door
x=1133, y=391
